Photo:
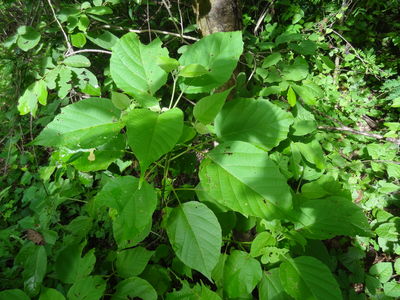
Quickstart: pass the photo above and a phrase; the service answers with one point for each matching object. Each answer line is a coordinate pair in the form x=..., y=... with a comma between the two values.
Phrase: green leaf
x=198, y=292
x=131, y=262
x=99, y=10
x=70, y=266
x=272, y=60
x=306, y=277
x=28, y=38
x=328, y=62
x=120, y=101
x=208, y=107
x=297, y=71
x=35, y=267
x=36, y=92
x=78, y=40
x=195, y=236
x=312, y=152
x=14, y=294
x=193, y=70
x=151, y=135
x=133, y=288
x=84, y=124
x=255, y=121
x=309, y=92
x=218, y=53
x=392, y=289
x=132, y=208
x=105, y=40
x=167, y=64
x=270, y=286
x=101, y=157
x=241, y=274
x=134, y=67
x=88, y=288
x=243, y=178
x=50, y=294
x=305, y=47
x=382, y=270
x=291, y=97
x=327, y=215
x=304, y=121
x=77, y=61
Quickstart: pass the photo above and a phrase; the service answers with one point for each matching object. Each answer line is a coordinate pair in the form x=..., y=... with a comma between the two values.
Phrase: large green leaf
x=101, y=157
x=36, y=92
x=323, y=212
x=312, y=152
x=242, y=177
x=50, y=294
x=151, y=135
x=35, y=267
x=85, y=124
x=134, y=288
x=241, y=274
x=70, y=266
x=134, y=66
x=14, y=294
x=28, y=38
x=195, y=235
x=296, y=71
x=306, y=277
x=208, y=107
x=255, y=121
x=131, y=262
x=270, y=287
x=219, y=54
x=88, y=288
x=131, y=208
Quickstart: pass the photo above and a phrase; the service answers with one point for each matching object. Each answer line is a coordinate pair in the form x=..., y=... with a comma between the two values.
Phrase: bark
x=218, y=15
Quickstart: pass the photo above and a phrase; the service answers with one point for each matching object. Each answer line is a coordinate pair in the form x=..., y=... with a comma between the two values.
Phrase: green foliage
x=256, y=164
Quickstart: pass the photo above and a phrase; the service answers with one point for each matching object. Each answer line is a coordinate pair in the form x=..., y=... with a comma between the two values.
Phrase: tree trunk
x=218, y=15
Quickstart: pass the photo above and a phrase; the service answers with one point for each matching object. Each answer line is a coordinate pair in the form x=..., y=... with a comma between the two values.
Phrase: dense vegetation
x=128, y=172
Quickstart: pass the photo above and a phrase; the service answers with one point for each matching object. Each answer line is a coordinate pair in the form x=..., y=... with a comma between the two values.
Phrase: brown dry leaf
x=35, y=237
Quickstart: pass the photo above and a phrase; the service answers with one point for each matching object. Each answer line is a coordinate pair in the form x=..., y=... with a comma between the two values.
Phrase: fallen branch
x=358, y=132
x=153, y=30
x=88, y=50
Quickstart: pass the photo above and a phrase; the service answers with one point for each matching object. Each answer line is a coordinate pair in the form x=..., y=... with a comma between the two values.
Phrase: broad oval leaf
x=270, y=286
x=218, y=53
x=77, y=61
x=35, y=267
x=133, y=208
x=133, y=288
x=208, y=107
x=241, y=274
x=50, y=294
x=242, y=177
x=193, y=70
x=134, y=66
x=254, y=121
x=28, y=38
x=196, y=236
x=101, y=157
x=306, y=277
x=131, y=262
x=15, y=294
x=88, y=288
x=151, y=135
x=84, y=124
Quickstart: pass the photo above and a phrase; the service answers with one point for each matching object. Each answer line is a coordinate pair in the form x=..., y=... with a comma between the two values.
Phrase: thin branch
x=173, y=21
x=88, y=50
x=358, y=132
x=155, y=31
x=69, y=46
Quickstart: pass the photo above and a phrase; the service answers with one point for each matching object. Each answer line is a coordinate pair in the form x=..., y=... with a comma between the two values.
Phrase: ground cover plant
x=142, y=160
